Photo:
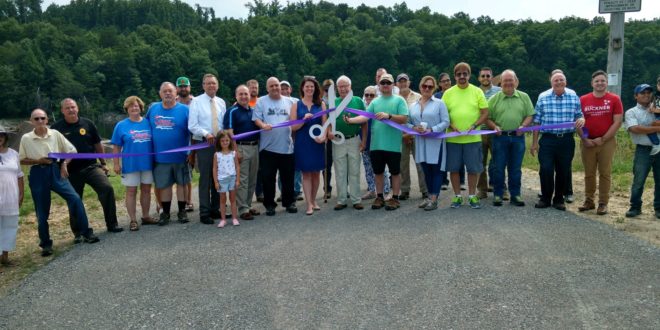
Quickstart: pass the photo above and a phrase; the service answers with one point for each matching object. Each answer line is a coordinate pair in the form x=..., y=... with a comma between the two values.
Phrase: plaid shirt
x=553, y=109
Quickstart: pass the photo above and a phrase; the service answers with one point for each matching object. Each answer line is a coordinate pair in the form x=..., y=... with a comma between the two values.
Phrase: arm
x=237, y=165
x=293, y=115
x=115, y=161
x=215, y=172
x=363, y=144
x=21, y=191
x=483, y=116
x=639, y=129
x=98, y=147
x=535, y=143
x=193, y=122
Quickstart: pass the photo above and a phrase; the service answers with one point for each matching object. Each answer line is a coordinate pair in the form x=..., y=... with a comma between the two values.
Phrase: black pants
x=97, y=179
x=270, y=163
x=555, y=158
x=328, y=167
x=209, y=199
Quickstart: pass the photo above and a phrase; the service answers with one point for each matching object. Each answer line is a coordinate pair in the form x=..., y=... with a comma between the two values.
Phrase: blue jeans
x=642, y=165
x=43, y=179
x=433, y=177
x=508, y=152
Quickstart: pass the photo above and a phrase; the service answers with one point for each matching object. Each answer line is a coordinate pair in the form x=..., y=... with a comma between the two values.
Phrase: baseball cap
x=642, y=87
x=182, y=81
x=387, y=77
x=284, y=82
x=402, y=76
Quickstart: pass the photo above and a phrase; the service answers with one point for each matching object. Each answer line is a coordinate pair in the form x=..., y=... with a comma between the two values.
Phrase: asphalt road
x=502, y=267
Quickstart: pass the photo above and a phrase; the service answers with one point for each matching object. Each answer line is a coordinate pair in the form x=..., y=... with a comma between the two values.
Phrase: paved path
x=491, y=268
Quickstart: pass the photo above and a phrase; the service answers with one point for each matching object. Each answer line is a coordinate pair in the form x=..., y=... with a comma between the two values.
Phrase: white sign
x=615, y=6
x=612, y=79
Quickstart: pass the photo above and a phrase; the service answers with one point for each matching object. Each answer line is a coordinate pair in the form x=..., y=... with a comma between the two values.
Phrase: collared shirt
x=84, y=136
x=199, y=119
x=239, y=119
x=555, y=109
x=491, y=91
x=508, y=112
x=34, y=146
x=412, y=98
x=349, y=130
x=639, y=116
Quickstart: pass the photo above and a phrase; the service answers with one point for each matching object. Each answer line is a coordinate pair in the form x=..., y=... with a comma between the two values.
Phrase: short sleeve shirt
x=464, y=106
x=169, y=130
x=274, y=111
x=134, y=138
x=10, y=171
x=508, y=112
x=599, y=112
x=639, y=116
x=341, y=125
x=239, y=120
x=83, y=135
x=383, y=136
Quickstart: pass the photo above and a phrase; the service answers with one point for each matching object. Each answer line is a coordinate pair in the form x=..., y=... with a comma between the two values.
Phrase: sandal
x=134, y=226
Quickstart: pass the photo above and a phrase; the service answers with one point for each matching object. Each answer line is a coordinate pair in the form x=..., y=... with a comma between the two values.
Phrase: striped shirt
x=555, y=109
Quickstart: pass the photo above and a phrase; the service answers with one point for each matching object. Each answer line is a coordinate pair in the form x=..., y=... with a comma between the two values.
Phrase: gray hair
x=509, y=71
x=344, y=78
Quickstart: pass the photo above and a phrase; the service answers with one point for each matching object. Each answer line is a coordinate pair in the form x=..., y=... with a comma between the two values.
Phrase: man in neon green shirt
x=385, y=140
x=468, y=109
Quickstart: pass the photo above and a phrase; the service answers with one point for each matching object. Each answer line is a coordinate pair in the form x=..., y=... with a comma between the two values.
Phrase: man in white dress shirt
x=205, y=120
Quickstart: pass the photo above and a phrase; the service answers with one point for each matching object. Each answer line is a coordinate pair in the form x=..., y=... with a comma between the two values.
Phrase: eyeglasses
x=461, y=74
x=38, y=118
x=485, y=76
x=428, y=86
x=385, y=82
x=369, y=95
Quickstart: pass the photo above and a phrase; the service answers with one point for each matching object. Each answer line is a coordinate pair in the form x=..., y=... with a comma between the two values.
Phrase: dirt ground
x=645, y=226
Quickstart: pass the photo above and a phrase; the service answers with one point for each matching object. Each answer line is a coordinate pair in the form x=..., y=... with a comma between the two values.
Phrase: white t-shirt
x=226, y=165
x=272, y=112
x=10, y=171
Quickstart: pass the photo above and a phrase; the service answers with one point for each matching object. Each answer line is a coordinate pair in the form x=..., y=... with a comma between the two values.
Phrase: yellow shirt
x=464, y=106
x=34, y=146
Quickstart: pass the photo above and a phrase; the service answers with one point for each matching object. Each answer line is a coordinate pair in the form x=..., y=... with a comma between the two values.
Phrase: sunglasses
x=428, y=86
x=485, y=76
x=369, y=95
x=386, y=83
x=38, y=118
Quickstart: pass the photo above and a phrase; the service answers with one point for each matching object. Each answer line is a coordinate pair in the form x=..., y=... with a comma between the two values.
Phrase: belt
x=349, y=137
x=509, y=133
x=559, y=135
x=247, y=143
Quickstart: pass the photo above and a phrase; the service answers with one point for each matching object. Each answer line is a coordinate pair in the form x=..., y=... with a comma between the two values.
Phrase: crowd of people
x=243, y=152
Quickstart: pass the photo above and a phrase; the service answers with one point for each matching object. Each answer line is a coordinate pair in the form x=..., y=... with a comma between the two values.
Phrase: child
x=655, y=108
x=225, y=164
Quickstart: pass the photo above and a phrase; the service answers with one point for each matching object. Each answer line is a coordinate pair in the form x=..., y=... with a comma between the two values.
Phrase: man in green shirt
x=385, y=140
x=508, y=111
x=346, y=156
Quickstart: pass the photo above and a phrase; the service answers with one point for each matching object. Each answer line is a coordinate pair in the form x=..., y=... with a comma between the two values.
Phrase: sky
x=496, y=9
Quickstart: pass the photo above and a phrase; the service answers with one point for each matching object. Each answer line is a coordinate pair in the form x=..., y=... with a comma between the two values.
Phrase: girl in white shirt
x=11, y=196
x=227, y=169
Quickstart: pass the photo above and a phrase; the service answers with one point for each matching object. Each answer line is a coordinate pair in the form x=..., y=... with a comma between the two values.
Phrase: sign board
x=615, y=6
x=612, y=79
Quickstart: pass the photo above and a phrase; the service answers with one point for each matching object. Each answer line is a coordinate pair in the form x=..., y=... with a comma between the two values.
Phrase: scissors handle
x=339, y=137
x=314, y=127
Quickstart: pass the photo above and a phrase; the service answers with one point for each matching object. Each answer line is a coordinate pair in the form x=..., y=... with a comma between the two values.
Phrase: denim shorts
x=464, y=154
x=227, y=184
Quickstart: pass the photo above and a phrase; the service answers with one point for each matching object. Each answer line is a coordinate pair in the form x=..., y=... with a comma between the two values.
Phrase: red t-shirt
x=599, y=112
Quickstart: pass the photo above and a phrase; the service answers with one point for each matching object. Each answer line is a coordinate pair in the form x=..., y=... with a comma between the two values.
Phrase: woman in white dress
x=11, y=195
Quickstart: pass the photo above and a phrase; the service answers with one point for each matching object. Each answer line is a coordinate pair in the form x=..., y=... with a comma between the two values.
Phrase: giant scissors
x=332, y=117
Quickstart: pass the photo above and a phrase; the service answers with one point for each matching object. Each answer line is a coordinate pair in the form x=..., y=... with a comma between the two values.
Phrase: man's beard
x=184, y=93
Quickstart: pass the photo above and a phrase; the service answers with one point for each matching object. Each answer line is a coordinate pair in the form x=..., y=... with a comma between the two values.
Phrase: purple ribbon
x=283, y=124
x=57, y=155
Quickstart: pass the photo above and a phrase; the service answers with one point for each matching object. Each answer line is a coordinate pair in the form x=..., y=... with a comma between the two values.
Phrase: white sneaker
x=655, y=150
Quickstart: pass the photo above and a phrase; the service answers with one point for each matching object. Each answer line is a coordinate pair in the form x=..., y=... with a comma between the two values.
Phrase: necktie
x=214, y=117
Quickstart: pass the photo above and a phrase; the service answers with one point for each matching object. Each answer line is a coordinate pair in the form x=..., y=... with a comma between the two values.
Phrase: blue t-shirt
x=134, y=137
x=169, y=130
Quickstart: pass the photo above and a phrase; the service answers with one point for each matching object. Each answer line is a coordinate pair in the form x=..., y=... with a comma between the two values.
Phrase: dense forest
x=101, y=51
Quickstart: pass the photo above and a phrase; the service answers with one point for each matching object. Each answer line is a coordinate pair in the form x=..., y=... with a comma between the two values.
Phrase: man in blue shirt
x=557, y=146
x=237, y=120
x=169, y=128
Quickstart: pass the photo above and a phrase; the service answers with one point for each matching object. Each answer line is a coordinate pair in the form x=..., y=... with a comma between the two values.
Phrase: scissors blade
x=342, y=105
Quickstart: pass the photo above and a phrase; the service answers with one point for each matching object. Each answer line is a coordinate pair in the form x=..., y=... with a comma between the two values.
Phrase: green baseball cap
x=182, y=81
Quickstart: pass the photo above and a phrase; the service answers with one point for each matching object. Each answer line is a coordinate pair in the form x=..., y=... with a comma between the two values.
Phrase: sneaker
x=517, y=201
x=423, y=203
x=270, y=212
x=497, y=201
x=91, y=239
x=392, y=204
x=456, y=202
x=444, y=187
x=432, y=205
x=164, y=219
x=298, y=196
x=222, y=223
x=506, y=196
x=369, y=195
x=77, y=239
x=633, y=213
x=474, y=202
x=463, y=187
x=378, y=203
x=235, y=222
x=655, y=150
x=569, y=199
x=182, y=216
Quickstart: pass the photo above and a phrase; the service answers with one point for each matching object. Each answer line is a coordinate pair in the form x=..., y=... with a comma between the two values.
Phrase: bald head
x=273, y=87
